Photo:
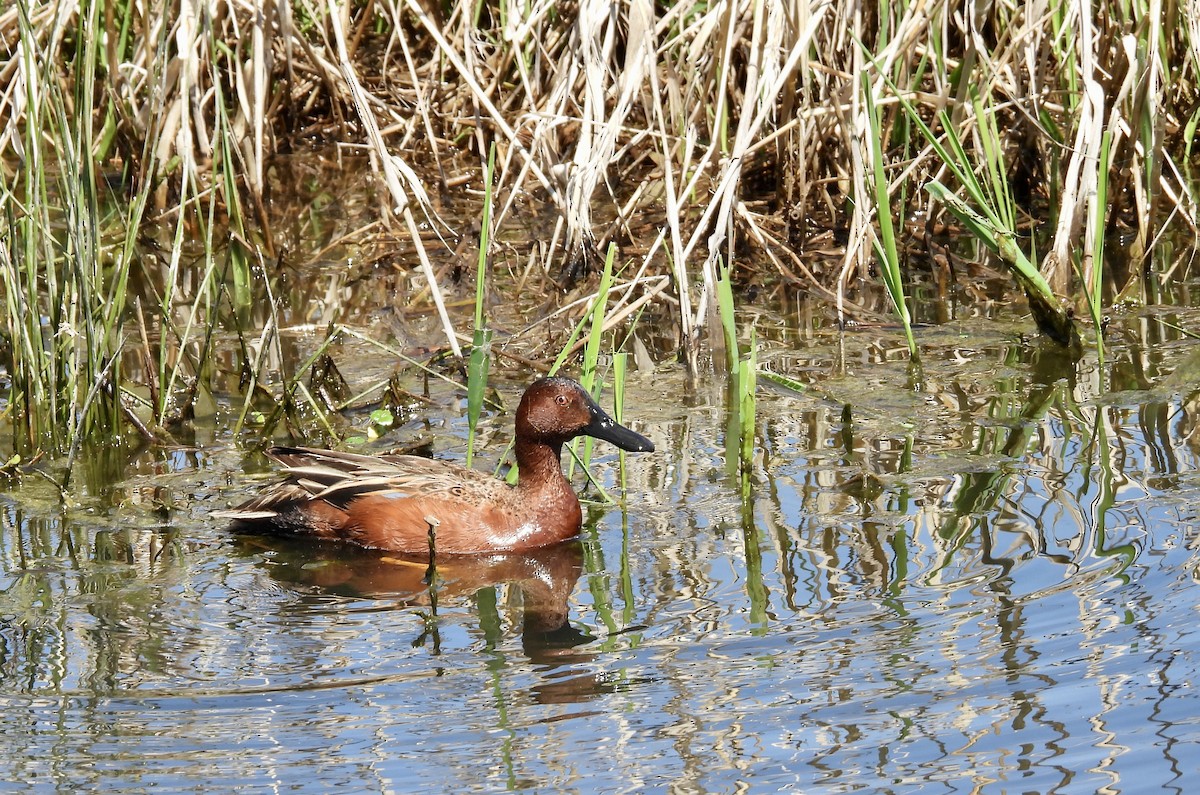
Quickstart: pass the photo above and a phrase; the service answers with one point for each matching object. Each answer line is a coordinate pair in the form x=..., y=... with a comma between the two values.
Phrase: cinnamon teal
x=389, y=502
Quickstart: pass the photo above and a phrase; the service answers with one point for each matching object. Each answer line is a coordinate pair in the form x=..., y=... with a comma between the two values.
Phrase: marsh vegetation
x=782, y=146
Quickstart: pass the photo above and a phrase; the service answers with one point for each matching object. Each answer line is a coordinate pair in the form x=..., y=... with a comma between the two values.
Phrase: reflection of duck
x=390, y=502
x=546, y=578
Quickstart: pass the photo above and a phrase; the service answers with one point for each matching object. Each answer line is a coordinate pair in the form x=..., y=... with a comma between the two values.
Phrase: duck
x=422, y=507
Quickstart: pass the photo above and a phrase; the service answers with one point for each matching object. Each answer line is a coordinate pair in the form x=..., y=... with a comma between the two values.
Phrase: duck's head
x=556, y=410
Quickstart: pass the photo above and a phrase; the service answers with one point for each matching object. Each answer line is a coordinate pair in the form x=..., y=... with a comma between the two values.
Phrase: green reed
x=994, y=185
x=746, y=403
x=1093, y=277
x=743, y=375
x=73, y=241
x=747, y=409
x=989, y=216
x=66, y=257
x=591, y=350
x=238, y=251
x=620, y=367
x=477, y=365
x=884, y=243
x=172, y=391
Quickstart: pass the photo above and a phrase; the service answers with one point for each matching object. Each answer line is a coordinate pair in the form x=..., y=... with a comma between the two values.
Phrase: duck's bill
x=605, y=427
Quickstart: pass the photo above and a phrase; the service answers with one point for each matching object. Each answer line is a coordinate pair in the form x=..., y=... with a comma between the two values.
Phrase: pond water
x=982, y=577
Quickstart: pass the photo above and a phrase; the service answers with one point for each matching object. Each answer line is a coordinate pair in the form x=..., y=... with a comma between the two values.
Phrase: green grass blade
x=477, y=365
x=885, y=244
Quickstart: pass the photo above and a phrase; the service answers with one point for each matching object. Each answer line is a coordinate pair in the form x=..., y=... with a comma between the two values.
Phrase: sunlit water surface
x=979, y=577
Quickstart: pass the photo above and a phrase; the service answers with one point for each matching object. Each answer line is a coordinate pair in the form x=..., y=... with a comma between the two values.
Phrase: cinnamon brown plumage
x=389, y=502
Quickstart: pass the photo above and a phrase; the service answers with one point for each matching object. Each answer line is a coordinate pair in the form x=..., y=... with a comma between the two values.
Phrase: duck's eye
x=560, y=400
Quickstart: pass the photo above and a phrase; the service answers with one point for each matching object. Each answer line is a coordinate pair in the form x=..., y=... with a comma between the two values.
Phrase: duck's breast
x=468, y=517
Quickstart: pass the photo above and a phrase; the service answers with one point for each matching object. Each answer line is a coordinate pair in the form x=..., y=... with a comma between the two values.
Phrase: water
x=979, y=577
x=994, y=593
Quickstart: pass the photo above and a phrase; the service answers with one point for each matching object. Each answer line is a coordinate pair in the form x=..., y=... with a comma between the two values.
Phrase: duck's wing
x=349, y=463
x=337, y=478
